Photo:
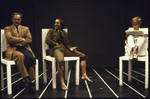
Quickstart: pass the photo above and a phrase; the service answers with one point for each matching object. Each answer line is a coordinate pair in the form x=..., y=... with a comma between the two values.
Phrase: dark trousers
x=29, y=60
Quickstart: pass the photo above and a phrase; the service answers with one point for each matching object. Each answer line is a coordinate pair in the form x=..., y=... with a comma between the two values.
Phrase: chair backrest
x=3, y=42
x=44, y=45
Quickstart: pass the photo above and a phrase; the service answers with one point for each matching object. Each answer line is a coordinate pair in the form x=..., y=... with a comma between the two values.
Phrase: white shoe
x=130, y=57
x=135, y=56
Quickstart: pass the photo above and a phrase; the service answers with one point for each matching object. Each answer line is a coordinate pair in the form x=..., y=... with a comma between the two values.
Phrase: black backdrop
x=95, y=26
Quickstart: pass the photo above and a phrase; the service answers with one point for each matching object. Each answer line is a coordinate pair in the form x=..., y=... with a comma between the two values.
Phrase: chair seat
x=7, y=61
x=138, y=59
x=65, y=58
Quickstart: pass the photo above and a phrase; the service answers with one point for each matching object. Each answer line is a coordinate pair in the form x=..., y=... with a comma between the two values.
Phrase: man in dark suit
x=59, y=46
x=18, y=39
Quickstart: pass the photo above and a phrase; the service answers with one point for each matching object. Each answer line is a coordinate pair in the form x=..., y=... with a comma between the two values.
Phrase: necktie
x=17, y=30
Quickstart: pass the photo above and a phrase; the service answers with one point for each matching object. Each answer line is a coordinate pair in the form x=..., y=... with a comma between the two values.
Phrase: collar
x=15, y=26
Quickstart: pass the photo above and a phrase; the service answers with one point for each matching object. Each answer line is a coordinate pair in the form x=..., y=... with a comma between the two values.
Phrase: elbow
x=47, y=41
x=9, y=40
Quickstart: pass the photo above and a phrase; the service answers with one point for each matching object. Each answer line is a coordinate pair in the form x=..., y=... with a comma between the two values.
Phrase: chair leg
x=36, y=75
x=44, y=71
x=129, y=70
x=120, y=72
x=146, y=73
x=77, y=72
x=54, y=74
x=2, y=77
x=66, y=70
x=9, y=89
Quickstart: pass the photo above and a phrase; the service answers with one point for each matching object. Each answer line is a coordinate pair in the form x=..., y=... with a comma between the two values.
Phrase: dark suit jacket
x=52, y=37
x=14, y=39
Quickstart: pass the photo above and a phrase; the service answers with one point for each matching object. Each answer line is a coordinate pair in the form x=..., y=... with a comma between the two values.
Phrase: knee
x=130, y=36
x=60, y=63
x=19, y=59
x=141, y=38
x=32, y=59
x=21, y=56
x=83, y=57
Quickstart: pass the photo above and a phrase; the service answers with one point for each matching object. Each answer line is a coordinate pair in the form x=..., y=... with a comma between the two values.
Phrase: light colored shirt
x=16, y=28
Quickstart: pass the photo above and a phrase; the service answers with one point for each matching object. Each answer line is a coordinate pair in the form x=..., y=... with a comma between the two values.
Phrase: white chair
x=126, y=58
x=8, y=66
x=52, y=59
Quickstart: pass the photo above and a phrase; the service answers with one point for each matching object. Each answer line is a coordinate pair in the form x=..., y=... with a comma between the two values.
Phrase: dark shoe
x=26, y=82
x=32, y=86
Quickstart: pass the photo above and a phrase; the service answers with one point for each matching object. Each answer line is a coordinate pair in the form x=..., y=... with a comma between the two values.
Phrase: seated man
x=18, y=39
x=136, y=45
x=59, y=47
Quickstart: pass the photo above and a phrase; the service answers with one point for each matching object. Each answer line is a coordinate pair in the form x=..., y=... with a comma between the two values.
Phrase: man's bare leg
x=83, y=69
x=60, y=73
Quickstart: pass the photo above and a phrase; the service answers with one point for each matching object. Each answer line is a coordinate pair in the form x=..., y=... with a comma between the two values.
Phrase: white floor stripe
x=18, y=80
x=131, y=76
x=105, y=83
x=137, y=72
x=12, y=75
x=11, y=84
x=46, y=87
x=88, y=89
x=19, y=93
x=125, y=83
x=67, y=84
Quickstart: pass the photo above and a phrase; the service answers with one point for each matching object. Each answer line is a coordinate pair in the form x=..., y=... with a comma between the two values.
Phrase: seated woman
x=136, y=45
x=59, y=47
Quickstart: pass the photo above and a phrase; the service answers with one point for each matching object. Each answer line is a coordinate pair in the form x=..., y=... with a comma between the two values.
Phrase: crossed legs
x=18, y=57
x=27, y=72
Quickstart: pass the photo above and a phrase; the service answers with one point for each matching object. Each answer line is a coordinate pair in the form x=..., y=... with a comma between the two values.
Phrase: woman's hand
x=73, y=49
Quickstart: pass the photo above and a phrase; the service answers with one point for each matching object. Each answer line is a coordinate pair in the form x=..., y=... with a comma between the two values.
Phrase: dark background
x=95, y=26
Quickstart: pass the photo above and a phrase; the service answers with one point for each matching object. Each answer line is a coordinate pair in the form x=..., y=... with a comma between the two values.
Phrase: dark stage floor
x=105, y=85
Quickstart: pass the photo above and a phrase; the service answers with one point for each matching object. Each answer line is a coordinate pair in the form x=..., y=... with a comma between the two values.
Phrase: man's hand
x=22, y=39
x=73, y=49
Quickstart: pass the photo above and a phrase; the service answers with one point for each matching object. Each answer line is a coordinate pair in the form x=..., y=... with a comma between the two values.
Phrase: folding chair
x=126, y=58
x=52, y=59
x=8, y=66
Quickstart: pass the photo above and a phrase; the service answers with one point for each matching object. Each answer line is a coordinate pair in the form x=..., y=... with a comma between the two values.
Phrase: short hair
x=61, y=22
x=136, y=20
x=16, y=13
